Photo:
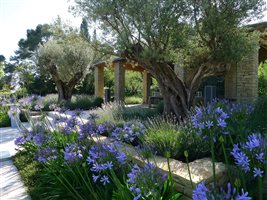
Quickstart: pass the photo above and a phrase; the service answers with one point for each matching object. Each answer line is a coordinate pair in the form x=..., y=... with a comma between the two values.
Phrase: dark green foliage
x=84, y=102
x=84, y=30
x=2, y=58
x=4, y=119
x=86, y=86
x=30, y=171
x=160, y=107
x=23, y=117
x=257, y=121
x=262, y=79
x=98, y=102
x=35, y=37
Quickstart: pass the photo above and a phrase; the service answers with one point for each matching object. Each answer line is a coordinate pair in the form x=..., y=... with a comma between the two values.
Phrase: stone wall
x=247, y=78
x=241, y=82
x=201, y=169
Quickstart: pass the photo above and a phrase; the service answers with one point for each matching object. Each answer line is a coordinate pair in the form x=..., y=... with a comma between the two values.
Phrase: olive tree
x=67, y=59
x=204, y=37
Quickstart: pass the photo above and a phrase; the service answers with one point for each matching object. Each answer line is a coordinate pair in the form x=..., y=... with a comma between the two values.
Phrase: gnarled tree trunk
x=64, y=88
x=178, y=95
x=64, y=91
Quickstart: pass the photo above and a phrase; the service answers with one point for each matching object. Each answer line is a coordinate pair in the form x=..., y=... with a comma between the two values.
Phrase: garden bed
x=218, y=129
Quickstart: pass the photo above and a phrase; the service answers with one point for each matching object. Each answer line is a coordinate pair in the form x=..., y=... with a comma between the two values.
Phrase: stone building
x=240, y=83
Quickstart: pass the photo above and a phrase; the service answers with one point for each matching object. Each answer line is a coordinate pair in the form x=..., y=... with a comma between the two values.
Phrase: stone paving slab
x=11, y=186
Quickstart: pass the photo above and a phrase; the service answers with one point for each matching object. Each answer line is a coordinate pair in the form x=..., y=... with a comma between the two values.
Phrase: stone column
x=119, y=71
x=146, y=86
x=230, y=83
x=99, y=80
x=247, y=77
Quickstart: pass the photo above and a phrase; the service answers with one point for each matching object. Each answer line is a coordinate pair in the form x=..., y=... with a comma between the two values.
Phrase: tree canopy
x=67, y=57
x=204, y=36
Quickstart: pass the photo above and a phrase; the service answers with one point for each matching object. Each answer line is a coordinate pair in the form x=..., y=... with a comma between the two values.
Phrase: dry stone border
x=201, y=169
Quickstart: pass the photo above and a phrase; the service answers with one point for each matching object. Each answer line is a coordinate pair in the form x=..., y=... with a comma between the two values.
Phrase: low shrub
x=30, y=171
x=48, y=100
x=133, y=100
x=4, y=119
x=84, y=102
x=137, y=112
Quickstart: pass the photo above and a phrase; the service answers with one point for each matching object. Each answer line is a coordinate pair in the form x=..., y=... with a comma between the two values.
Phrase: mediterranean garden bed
x=113, y=155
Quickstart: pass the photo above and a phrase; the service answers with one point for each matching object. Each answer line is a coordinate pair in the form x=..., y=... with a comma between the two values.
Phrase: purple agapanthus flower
x=202, y=192
x=147, y=181
x=258, y=172
x=19, y=141
x=102, y=158
x=250, y=155
x=72, y=153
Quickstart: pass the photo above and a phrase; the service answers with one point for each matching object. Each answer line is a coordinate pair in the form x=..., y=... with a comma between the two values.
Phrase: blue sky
x=16, y=16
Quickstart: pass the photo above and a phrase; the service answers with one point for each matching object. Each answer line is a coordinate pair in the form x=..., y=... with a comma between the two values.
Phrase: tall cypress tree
x=84, y=30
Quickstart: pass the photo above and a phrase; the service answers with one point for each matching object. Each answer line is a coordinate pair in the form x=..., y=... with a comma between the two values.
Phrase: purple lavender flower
x=257, y=172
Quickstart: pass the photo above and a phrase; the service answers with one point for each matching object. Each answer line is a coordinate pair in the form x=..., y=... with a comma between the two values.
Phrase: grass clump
x=167, y=136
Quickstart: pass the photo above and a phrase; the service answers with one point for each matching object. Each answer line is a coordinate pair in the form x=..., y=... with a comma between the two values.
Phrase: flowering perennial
x=131, y=132
x=251, y=151
x=146, y=182
x=203, y=193
x=103, y=157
